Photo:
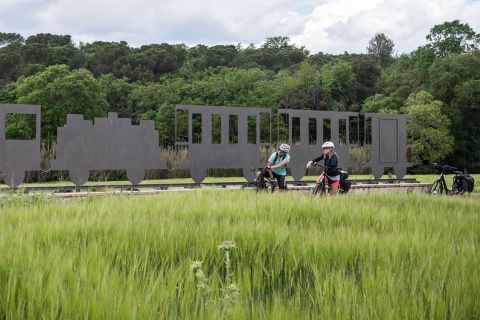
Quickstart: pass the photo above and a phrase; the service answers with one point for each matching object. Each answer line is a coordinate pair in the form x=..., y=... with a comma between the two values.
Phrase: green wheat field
x=223, y=254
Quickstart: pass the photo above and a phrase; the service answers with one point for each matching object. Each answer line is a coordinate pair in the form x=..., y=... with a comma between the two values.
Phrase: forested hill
x=438, y=83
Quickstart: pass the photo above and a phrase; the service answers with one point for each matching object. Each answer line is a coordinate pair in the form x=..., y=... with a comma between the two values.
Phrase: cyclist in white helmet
x=277, y=165
x=330, y=159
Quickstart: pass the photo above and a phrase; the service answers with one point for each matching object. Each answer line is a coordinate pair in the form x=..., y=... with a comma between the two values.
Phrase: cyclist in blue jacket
x=277, y=165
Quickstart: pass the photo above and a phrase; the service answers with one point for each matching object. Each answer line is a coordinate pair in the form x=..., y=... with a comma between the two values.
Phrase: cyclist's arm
x=317, y=159
x=269, y=167
x=279, y=165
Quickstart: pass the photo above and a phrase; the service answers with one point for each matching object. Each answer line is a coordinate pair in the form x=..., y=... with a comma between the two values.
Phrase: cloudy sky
x=328, y=26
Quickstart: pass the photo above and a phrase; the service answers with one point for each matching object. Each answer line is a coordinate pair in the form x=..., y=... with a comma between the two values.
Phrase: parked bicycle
x=261, y=183
x=440, y=185
x=323, y=187
x=462, y=182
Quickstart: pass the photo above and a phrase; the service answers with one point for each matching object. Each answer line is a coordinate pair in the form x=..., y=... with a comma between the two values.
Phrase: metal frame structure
x=113, y=143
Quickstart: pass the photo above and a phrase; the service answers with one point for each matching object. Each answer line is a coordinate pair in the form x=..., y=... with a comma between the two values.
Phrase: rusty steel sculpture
x=215, y=137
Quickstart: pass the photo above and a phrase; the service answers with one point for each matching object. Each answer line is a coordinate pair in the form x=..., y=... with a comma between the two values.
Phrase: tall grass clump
x=384, y=256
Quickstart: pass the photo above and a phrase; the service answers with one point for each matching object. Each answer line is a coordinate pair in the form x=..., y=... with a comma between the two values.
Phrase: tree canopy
x=60, y=92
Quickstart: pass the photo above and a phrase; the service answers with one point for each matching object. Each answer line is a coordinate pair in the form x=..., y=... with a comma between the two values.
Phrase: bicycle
x=323, y=187
x=261, y=183
x=440, y=185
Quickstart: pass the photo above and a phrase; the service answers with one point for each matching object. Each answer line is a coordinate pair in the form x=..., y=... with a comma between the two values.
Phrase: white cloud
x=330, y=26
x=338, y=26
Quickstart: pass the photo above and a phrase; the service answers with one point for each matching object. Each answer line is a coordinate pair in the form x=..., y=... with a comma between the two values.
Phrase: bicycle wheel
x=436, y=188
x=319, y=189
x=261, y=186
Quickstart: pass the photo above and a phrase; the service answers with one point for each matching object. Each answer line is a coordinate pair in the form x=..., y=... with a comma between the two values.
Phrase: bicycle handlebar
x=445, y=167
x=320, y=166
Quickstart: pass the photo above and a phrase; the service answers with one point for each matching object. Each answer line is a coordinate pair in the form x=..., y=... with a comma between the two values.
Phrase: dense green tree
x=8, y=93
x=106, y=57
x=321, y=59
x=165, y=123
x=453, y=70
x=429, y=128
x=116, y=94
x=144, y=99
x=165, y=57
x=301, y=88
x=49, y=39
x=453, y=37
x=220, y=56
x=400, y=74
x=10, y=38
x=60, y=92
x=10, y=63
x=278, y=53
x=367, y=74
x=465, y=115
x=381, y=103
x=381, y=47
x=248, y=58
x=337, y=79
x=48, y=50
x=231, y=86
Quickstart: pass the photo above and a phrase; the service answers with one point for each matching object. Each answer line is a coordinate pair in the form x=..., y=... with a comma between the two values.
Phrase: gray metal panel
x=18, y=156
x=388, y=150
x=389, y=144
x=109, y=144
x=301, y=152
x=207, y=155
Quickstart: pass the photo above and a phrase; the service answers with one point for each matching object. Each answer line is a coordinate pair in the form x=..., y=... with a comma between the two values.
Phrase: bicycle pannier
x=467, y=182
x=345, y=185
x=343, y=175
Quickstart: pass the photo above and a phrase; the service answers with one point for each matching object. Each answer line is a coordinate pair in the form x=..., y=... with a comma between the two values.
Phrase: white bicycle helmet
x=328, y=144
x=284, y=147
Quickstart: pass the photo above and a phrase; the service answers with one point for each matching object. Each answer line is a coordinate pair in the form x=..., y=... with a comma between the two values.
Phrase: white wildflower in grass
x=231, y=292
x=195, y=266
x=227, y=246
x=201, y=280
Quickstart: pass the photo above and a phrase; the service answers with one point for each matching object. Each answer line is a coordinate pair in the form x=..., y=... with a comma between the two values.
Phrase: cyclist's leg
x=281, y=182
x=334, y=185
